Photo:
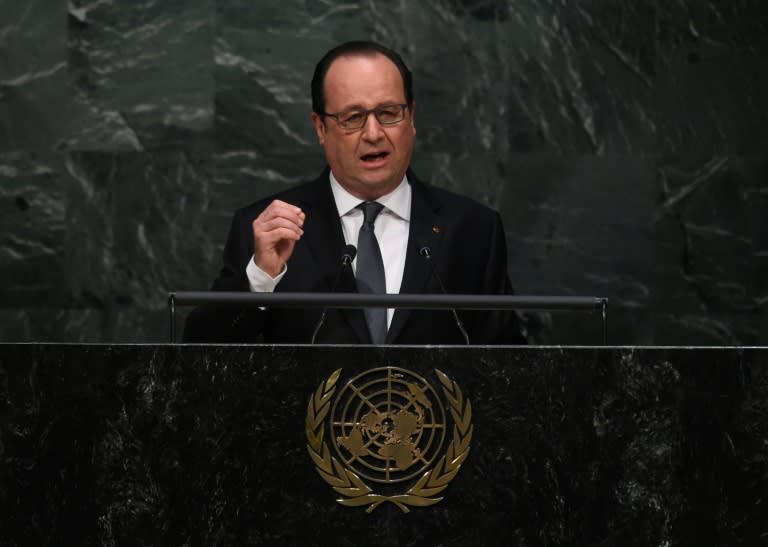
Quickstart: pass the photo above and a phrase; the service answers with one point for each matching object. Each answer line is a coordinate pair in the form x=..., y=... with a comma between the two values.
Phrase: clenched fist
x=275, y=233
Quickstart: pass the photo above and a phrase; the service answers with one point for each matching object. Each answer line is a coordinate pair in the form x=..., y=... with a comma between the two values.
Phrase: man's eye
x=387, y=114
x=352, y=117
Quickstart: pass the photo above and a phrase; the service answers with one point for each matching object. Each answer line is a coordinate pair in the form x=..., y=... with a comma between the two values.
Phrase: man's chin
x=372, y=187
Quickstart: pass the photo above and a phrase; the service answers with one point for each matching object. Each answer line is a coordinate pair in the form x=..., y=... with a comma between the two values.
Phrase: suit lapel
x=322, y=236
x=425, y=231
x=324, y=240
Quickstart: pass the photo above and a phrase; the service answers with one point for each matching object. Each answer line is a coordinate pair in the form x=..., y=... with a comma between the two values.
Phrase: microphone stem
x=426, y=253
x=346, y=260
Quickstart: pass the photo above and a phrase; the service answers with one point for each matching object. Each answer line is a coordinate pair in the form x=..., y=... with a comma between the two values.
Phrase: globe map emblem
x=388, y=425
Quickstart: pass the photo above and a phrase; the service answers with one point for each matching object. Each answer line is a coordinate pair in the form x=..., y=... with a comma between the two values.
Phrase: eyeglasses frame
x=335, y=116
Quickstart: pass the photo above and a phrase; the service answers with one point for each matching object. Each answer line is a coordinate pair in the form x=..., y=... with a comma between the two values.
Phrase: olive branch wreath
x=355, y=491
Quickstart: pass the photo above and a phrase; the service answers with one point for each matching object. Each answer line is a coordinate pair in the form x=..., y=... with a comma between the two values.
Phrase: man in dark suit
x=409, y=236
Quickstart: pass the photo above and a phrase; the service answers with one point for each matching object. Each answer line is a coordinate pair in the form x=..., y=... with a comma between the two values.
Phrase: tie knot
x=371, y=210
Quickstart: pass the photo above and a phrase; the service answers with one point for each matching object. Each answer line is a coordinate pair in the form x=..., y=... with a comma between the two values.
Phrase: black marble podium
x=206, y=445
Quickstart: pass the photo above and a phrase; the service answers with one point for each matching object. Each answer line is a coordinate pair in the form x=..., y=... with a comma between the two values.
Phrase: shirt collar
x=398, y=201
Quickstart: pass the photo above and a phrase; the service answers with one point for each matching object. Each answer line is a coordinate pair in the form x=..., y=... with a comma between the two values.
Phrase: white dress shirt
x=391, y=229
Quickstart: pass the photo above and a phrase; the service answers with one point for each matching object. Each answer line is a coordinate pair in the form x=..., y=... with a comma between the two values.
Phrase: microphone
x=347, y=256
x=426, y=252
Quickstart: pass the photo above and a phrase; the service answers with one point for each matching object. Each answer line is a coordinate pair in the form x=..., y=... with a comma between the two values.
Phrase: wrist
x=272, y=269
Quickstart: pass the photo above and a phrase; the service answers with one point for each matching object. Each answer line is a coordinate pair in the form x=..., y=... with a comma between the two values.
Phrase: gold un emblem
x=389, y=431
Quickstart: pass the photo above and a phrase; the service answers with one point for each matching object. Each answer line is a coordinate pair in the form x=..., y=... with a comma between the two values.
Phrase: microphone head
x=426, y=252
x=349, y=254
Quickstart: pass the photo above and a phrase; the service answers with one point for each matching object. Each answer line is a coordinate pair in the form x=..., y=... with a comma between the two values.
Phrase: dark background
x=623, y=141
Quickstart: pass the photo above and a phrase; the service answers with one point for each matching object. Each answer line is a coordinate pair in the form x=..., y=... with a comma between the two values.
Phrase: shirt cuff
x=261, y=281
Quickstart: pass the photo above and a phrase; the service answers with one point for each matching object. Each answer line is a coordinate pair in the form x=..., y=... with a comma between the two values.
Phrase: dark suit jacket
x=468, y=249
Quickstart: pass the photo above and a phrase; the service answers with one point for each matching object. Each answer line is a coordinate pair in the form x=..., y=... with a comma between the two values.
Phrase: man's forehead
x=342, y=77
x=351, y=57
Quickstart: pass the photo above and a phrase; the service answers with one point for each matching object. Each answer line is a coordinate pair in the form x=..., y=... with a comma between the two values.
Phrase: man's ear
x=412, y=110
x=319, y=123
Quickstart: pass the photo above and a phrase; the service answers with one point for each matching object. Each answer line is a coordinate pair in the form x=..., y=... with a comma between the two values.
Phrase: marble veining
x=623, y=142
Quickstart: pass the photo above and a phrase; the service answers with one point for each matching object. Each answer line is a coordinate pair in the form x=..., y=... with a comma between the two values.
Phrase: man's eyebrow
x=357, y=106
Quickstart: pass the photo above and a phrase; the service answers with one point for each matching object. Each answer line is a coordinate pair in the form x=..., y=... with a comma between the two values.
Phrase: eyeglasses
x=386, y=114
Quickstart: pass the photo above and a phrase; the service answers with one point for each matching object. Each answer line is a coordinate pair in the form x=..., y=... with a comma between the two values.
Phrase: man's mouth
x=374, y=157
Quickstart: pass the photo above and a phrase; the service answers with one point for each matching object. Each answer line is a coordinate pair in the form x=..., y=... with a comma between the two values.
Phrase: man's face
x=371, y=161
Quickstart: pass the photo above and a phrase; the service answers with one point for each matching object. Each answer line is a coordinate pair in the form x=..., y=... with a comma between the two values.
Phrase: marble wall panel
x=34, y=89
x=565, y=240
x=242, y=177
x=35, y=192
x=149, y=64
x=710, y=230
x=129, y=197
x=533, y=77
x=623, y=142
x=264, y=62
x=146, y=225
x=95, y=258
x=712, y=82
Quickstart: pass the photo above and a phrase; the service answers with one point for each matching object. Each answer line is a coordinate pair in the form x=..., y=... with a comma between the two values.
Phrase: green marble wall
x=623, y=141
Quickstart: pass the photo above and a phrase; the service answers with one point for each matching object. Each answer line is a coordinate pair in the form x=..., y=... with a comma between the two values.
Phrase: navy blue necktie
x=370, y=270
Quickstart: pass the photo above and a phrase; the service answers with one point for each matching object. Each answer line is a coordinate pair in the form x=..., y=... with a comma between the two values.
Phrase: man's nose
x=372, y=130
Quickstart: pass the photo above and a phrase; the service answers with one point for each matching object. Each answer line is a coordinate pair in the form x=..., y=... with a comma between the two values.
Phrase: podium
x=213, y=445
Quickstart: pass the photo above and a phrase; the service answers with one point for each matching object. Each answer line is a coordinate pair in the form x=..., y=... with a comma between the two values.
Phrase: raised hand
x=275, y=233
